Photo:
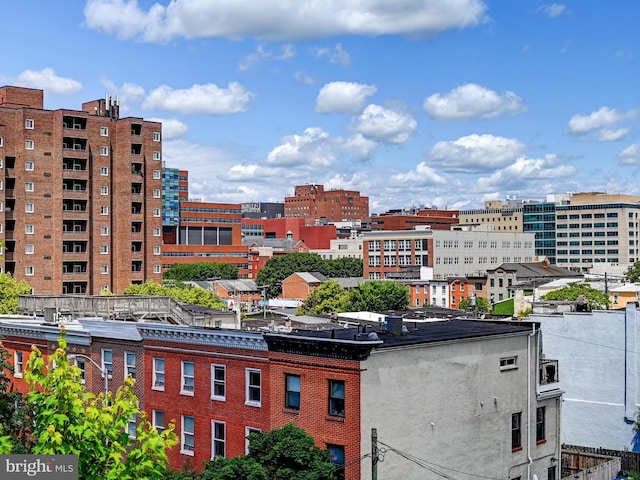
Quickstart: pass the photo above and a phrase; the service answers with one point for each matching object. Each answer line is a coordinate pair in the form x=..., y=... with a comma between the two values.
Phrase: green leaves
x=572, y=291
x=180, y=293
x=9, y=291
x=201, y=271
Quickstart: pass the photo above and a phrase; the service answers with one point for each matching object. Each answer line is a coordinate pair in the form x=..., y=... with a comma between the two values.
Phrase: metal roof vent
x=393, y=325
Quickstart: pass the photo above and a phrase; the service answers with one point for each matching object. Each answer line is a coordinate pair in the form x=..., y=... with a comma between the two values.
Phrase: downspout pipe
x=529, y=459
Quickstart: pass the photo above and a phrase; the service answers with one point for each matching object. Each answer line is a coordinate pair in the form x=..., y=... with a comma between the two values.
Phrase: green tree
x=378, y=295
x=596, y=298
x=180, y=293
x=68, y=420
x=201, y=271
x=14, y=410
x=286, y=453
x=343, y=267
x=327, y=298
x=280, y=267
x=482, y=304
x=9, y=291
x=632, y=274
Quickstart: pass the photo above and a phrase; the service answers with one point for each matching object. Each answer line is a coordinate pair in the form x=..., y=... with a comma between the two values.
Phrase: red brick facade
x=314, y=204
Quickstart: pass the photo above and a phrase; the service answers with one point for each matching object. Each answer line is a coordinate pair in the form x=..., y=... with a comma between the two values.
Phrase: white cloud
x=337, y=55
x=630, y=155
x=262, y=53
x=304, y=77
x=280, y=21
x=357, y=147
x=385, y=125
x=553, y=10
x=47, y=80
x=206, y=99
x=171, y=128
x=597, y=125
x=475, y=153
x=471, y=101
x=313, y=148
x=343, y=97
x=525, y=172
x=423, y=175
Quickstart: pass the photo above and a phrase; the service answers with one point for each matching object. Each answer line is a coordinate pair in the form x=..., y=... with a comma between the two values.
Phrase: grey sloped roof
x=111, y=329
x=348, y=282
x=311, y=277
x=238, y=285
x=533, y=270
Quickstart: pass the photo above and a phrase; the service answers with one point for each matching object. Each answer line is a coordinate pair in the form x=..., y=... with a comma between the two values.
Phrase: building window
x=104, y=249
x=156, y=232
x=29, y=229
x=157, y=269
x=248, y=431
x=157, y=250
x=104, y=170
x=1, y=142
x=29, y=144
x=156, y=193
x=104, y=131
x=17, y=364
x=158, y=374
x=540, y=420
x=80, y=363
x=516, y=431
x=336, y=398
x=29, y=187
x=104, y=231
x=29, y=271
x=29, y=123
x=104, y=210
x=187, y=440
x=107, y=362
x=104, y=190
x=156, y=136
x=508, y=363
x=104, y=269
x=104, y=151
x=131, y=426
x=29, y=165
x=29, y=249
x=130, y=365
x=188, y=382
x=337, y=458
x=156, y=155
x=157, y=420
x=292, y=392
x=218, y=433
x=218, y=382
x=156, y=212
x=29, y=208
x=157, y=175
x=551, y=473
x=254, y=387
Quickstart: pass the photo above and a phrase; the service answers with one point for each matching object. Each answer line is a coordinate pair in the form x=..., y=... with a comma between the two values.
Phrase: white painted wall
x=599, y=355
x=451, y=405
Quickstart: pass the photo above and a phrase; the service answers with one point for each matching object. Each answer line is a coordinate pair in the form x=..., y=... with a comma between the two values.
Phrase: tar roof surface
x=427, y=332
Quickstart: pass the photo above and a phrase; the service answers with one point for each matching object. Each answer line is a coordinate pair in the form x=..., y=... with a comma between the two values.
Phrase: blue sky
x=443, y=103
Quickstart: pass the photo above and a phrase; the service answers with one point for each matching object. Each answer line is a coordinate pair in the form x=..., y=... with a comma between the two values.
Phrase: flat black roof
x=423, y=332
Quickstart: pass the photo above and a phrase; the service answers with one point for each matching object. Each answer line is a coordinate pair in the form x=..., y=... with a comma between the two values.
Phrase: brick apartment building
x=424, y=386
x=317, y=205
x=80, y=195
x=407, y=220
x=194, y=231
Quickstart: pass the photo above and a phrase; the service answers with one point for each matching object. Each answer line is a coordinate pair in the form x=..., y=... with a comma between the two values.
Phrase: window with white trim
x=253, y=387
x=104, y=190
x=29, y=165
x=29, y=144
x=107, y=361
x=1, y=162
x=1, y=142
x=29, y=207
x=129, y=365
x=509, y=363
x=248, y=431
x=132, y=425
x=156, y=232
x=29, y=123
x=104, y=151
x=17, y=364
x=104, y=269
x=80, y=363
x=104, y=231
x=157, y=174
x=218, y=434
x=158, y=373
x=29, y=249
x=188, y=382
x=157, y=250
x=104, y=131
x=104, y=249
x=292, y=391
x=29, y=271
x=156, y=193
x=157, y=420
x=157, y=269
x=104, y=170
x=29, y=229
x=187, y=435
x=218, y=382
x=29, y=187
x=156, y=212
x=156, y=136
x=104, y=210
x=156, y=155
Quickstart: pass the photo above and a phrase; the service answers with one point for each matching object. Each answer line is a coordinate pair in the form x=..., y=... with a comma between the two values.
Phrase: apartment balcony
x=548, y=376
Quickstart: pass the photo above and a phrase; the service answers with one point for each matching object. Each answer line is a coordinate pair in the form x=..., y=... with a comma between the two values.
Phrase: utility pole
x=374, y=454
x=606, y=289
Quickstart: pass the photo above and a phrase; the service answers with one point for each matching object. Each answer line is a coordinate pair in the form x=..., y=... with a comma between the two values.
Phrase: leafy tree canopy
x=482, y=304
x=632, y=275
x=68, y=420
x=201, y=271
x=378, y=295
x=14, y=411
x=596, y=298
x=180, y=293
x=286, y=453
x=327, y=298
x=343, y=267
x=9, y=291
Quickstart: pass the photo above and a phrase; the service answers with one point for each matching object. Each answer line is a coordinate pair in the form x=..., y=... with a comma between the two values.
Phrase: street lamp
x=103, y=371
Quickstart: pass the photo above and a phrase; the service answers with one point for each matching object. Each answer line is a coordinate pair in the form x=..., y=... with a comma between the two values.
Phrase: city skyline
x=436, y=103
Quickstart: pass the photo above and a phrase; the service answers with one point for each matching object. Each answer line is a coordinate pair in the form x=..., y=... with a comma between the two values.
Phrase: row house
x=423, y=386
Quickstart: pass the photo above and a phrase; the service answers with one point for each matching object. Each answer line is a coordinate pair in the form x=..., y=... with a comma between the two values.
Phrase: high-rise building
x=80, y=192
x=317, y=205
